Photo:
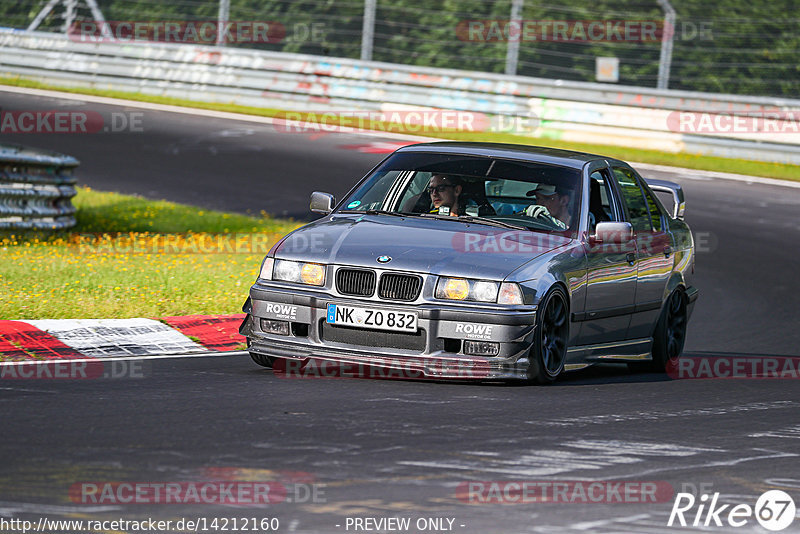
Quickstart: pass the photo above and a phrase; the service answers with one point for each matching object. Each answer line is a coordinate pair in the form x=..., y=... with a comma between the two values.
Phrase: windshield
x=535, y=196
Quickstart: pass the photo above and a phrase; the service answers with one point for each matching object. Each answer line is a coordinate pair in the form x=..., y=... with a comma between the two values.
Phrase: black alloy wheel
x=552, y=334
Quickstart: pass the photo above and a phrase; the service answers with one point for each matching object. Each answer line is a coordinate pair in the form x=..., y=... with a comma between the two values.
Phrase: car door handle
x=667, y=251
x=630, y=257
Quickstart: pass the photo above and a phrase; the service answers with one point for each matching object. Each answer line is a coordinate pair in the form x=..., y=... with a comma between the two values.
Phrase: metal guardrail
x=36, y=188
x=574, y=111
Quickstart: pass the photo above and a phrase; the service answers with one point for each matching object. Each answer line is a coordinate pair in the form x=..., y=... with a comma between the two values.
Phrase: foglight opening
x=481, y=348
x=275, y=327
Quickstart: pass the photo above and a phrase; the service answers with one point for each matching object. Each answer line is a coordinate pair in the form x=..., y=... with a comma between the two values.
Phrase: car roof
x=540, y=154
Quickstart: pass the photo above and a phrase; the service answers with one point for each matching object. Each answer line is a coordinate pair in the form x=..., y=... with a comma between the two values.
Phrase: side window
x=653, y=207
x=634, y=199
x=600, y=209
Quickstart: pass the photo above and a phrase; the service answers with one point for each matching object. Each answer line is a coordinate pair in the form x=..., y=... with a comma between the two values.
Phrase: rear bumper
x=436, y=351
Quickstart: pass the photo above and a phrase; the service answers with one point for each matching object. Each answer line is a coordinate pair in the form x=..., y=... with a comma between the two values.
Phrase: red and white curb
x=67, y=339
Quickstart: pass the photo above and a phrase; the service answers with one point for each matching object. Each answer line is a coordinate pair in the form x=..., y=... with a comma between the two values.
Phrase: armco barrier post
x=36, y=188
x=222, y=19
x=368, y=30
x=665, y=60
x=512, y=52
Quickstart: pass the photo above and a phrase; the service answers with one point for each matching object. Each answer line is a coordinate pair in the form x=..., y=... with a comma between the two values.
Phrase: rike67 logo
x=774, y=510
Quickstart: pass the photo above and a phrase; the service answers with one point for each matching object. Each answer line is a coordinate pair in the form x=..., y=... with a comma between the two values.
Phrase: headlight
x=266, y=269
x=484, y=291
x=299, y=272
x=312, y=274
x=288, y=271
x=461, y=289
x=452, y=289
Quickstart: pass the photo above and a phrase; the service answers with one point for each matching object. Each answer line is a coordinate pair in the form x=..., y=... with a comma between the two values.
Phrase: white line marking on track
x=722, y=463
x=694, y=174
x=28, y=390
x=791, y=432
x=590, y=455
x=658, y=415
x=784, y=482
x=592, y=525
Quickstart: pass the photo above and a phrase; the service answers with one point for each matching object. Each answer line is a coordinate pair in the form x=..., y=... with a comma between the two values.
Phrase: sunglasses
x=437, y=188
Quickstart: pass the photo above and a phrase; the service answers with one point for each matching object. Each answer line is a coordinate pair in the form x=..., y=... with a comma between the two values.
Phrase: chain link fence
x=729, y=46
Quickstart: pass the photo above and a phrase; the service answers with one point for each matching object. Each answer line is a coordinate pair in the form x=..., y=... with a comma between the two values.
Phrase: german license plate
x=376, y=318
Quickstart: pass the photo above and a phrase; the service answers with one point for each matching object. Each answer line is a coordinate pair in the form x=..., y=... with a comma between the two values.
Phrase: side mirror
x=322, y=202
x=616, y=233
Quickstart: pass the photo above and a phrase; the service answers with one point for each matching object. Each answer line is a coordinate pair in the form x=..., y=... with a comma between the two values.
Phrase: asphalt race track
x=233, y=165
x=387, y=448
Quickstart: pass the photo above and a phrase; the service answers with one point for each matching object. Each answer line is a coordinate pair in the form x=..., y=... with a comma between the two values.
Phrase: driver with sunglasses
x=445, y=191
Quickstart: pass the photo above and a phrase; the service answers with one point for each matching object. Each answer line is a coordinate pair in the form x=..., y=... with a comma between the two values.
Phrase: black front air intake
x=399, y=287
x=355, y=282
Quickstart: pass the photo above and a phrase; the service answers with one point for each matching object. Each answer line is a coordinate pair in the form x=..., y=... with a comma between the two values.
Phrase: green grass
x=114, y=212
x=132, y=257
x=690, y=161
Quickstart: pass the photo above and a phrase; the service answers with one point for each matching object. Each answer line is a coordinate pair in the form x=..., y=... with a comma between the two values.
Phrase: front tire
x=263, y=361
x=549, y=350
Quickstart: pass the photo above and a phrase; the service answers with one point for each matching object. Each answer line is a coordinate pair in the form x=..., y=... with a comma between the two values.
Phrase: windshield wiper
x=385, y=212
x=472, y=219
x=490, y=222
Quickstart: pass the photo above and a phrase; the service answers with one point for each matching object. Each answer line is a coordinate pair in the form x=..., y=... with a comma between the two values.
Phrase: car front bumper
x=436, y=351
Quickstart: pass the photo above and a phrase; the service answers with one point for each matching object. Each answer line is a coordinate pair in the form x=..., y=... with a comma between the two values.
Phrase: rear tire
x=669, y=335
x=263, y=361
x=549, y=350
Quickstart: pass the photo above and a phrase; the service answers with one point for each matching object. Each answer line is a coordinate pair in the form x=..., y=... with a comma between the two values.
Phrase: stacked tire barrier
x=36, y=189
x=579, y=112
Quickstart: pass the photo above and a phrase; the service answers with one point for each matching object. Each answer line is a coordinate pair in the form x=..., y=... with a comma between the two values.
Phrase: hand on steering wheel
x=537, y=211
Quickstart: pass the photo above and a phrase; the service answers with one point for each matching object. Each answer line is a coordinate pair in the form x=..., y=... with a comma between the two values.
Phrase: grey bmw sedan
x=481, y=261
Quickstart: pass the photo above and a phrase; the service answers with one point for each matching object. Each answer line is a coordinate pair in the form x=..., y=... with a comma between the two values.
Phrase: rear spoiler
x=675, y=190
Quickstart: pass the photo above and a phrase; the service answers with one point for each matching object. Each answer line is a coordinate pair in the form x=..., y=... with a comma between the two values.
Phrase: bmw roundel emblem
x=384, y=259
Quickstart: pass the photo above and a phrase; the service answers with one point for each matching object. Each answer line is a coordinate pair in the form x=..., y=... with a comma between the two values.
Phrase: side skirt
x=629, y=350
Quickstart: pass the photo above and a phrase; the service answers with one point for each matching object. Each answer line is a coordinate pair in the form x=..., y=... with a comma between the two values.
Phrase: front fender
x=565, y=265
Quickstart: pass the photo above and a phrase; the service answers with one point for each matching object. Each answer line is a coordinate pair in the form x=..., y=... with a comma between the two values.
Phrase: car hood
x=440, y=247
